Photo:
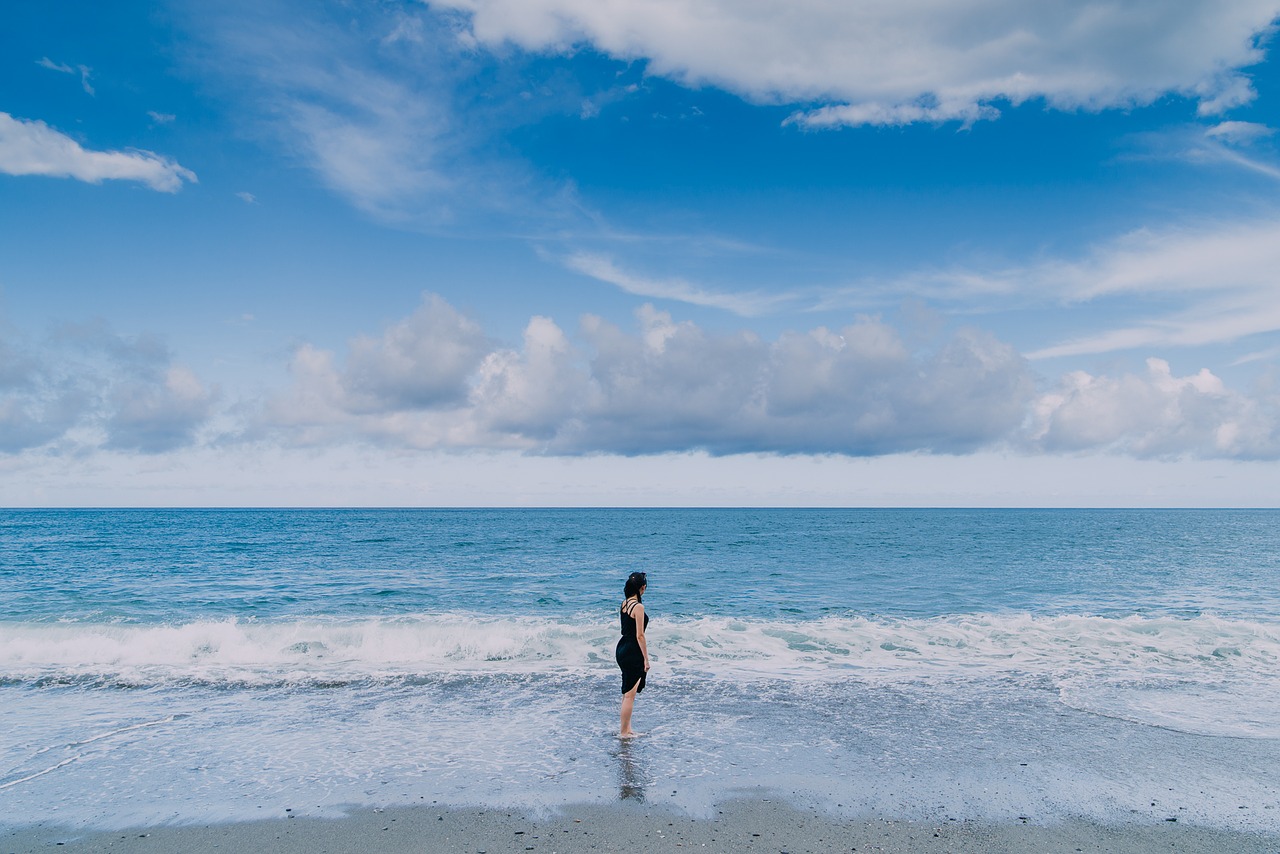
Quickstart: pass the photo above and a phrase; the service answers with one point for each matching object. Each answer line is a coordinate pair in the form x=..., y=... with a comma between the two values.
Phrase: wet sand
x=749, y=825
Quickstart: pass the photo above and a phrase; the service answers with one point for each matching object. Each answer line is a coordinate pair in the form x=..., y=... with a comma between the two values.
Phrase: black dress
x=630, y=656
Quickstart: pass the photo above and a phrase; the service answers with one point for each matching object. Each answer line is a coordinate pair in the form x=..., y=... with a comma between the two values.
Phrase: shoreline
x=739, y=825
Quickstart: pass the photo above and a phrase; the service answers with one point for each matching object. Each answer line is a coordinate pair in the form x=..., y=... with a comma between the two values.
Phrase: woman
x=633, y=652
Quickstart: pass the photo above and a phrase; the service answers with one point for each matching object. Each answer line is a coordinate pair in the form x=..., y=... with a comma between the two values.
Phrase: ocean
x=1005, y=665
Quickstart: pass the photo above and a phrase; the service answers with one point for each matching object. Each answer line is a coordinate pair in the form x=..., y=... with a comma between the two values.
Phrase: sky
x=640, y=252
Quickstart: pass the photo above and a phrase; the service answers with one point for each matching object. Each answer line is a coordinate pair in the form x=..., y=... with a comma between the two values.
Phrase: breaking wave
x=1204, y=673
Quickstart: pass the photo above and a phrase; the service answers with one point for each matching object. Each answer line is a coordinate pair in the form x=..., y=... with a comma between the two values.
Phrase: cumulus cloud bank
x=668, y=386
x=909, y=61
x=90, y=387
x=35, y=407
x=30, y=147
x=433, y=381
x=408, y=382
x=1155, y=414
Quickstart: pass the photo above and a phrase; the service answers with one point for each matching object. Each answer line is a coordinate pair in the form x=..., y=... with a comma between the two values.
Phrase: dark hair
x=635, y=581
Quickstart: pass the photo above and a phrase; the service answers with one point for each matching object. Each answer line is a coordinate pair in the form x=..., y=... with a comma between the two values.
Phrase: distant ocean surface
x=197, y=665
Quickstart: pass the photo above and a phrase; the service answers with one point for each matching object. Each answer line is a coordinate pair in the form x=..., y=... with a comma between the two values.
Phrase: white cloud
x=1230, y=256
x=85, y=72
x=1220, y=95
x=408, y=382
x=1234, y=143
x=1179, y=287
x=88, y=387
x=46, y=62
x=1239, y=132
x=915, y=60
x=375, y=104
x=29, y=147
x=143, y=400
x=1227, y=277
x=852, y=115
x=668, y=386
x=161, y=118
x=1154, y=415
x=433, y=380
x=535, y=393
x=605, y=270
x=1257, y=356
x=153, y=414
x=382, y=153
x=312, y=407
x=247, y=198
x=36, y=404
x=421, y=362
x=857, y=390
x=1258, y=166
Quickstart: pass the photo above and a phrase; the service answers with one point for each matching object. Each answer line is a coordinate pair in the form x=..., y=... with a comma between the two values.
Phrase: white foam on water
x=1204, y=674
x=267, y=653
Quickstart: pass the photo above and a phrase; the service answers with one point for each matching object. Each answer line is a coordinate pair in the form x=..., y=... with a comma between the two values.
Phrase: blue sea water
x=196, y=665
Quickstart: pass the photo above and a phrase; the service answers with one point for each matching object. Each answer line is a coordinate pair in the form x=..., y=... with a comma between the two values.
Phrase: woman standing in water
x=633, y=652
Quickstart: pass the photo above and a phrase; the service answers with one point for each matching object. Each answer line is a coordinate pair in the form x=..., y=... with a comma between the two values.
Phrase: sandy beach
x=748, y=825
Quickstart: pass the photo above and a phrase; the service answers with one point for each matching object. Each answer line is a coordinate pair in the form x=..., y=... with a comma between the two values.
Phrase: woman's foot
x=628, y=734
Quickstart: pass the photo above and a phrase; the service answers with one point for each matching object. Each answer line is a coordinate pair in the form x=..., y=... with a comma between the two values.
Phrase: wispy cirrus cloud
x=31, y=147
x=604, y=269
x=1244, y=145
x=334, y=93
x=913, y=61
x=84, y=71
x=381, y=105
x=1225, y=277
x=1236, y=158
x=1257, y=356
x=1236, y=144
x=1186, y=286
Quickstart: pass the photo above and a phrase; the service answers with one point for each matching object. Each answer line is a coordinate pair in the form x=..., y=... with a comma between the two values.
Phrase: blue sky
x=639, y=252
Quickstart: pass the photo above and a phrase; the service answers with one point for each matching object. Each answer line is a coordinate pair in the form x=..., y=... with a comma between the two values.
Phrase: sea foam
x=831, y=647
x=1204, y=673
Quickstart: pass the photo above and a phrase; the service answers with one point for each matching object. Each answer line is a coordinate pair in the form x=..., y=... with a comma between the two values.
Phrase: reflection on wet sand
x=631, y=774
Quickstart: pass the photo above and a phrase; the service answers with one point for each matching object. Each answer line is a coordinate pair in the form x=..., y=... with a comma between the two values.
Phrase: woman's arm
x=637, y=614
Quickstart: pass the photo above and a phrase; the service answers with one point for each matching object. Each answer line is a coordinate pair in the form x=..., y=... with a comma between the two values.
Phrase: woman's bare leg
x=628, y=701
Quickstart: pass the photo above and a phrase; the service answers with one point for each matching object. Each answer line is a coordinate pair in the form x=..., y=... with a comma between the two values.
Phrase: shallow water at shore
x=988, y=666
x=994, y=752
